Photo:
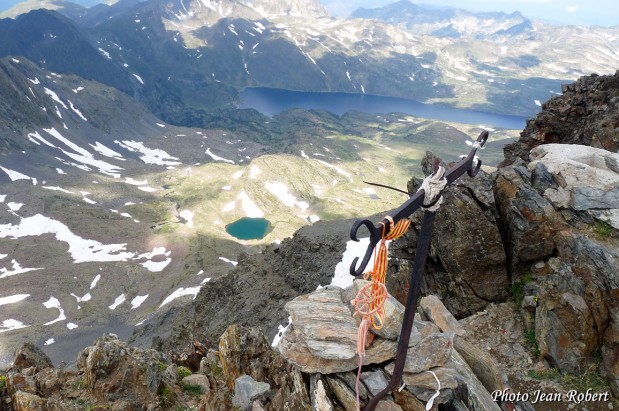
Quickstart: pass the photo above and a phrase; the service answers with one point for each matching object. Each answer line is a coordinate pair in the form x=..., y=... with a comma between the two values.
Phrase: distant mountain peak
x=210, y=11
x=308, y=8
x=446, y=21
x=29, y=5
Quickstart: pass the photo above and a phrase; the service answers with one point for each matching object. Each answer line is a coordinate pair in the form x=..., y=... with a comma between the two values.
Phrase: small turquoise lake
x=248, y=228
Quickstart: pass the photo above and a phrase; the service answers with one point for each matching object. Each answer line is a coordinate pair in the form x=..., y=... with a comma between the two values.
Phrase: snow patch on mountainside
x=16, y=175
x=281, y=191
x=148, y=155
x=180, y=292
x=80, y=249
x=118, y=301
x=11, y=324
x=15, y=269
x=216, y=157
x=12, y=299
x=54, y=303
x=250, y=208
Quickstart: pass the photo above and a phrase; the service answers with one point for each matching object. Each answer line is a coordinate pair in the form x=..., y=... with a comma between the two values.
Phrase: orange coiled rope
x=370, y=300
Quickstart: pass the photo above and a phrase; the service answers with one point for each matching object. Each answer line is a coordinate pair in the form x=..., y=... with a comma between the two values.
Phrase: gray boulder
x=376, y=382
x=323, y=335
x=199, y=380
x=247, y=390
x=586, y=178
x=466, y=267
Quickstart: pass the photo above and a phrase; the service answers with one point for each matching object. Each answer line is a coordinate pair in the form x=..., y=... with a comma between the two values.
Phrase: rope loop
x=368, y=299
x=433, y=186
x=369, y=303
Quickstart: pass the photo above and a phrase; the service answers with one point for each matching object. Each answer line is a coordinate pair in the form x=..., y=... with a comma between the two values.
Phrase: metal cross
x=469, y=164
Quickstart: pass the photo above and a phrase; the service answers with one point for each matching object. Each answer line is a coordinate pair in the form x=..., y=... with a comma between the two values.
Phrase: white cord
x=474, y=144
x=433, y=186
x=430, y=402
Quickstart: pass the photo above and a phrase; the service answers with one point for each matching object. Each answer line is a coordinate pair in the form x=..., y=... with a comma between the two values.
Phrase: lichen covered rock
x=113, y=369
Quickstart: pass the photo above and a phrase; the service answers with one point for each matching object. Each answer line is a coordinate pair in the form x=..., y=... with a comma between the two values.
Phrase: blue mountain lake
x=247, y=228
x=272, y=101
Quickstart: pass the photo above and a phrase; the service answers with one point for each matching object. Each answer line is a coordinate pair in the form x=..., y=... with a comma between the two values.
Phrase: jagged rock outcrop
x=262, y=379
x=29, y=355
x=112, y=376
x=577, y=294
x=466, y=267
x=111, y=368
x=587, y=114
x=558, y=204
x=109, y=372
x=551, y=216
x=552, y=210
x=528, y=221
x=245, y=352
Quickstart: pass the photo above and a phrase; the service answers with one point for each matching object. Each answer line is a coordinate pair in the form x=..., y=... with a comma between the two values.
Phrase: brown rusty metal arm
x=470, y=164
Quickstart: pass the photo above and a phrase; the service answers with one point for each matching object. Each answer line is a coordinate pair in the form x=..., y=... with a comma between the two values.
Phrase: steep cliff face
x=558, y=219
x=558, y=209
x=587, y=113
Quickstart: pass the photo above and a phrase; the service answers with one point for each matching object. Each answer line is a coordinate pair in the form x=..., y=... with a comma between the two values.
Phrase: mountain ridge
x=55, y=44
x=423, y=20
x=114, y=164
x=198, y=58
x=557, y=241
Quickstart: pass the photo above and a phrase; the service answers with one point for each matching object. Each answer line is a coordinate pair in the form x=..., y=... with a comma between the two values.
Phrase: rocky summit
x=244, y=372
x=587, y=113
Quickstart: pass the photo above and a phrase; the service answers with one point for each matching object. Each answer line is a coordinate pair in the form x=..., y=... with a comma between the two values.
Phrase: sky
x=578, y=12
x=7, y=4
